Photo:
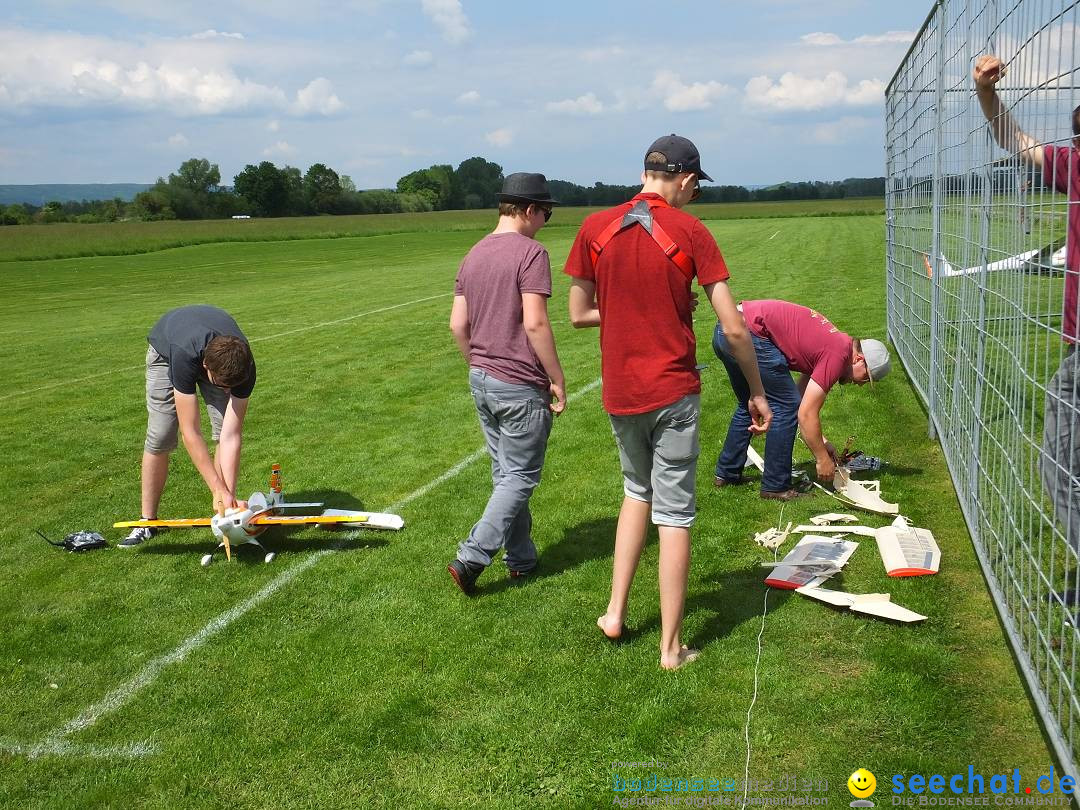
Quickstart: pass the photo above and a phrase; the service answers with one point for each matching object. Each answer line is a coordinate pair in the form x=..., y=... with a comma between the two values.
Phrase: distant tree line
x=194, y=191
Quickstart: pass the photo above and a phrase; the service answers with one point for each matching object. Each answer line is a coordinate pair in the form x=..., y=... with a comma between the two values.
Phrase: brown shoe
x=786, y=495
x=720, y=483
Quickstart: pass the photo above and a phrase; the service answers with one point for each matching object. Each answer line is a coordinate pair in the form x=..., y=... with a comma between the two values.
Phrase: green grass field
x=350, y=672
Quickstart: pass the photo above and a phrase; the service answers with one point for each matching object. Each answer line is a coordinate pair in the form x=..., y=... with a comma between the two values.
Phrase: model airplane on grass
x=243, y=525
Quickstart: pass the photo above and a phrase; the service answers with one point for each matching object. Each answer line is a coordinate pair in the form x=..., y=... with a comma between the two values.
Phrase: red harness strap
x=637, y=214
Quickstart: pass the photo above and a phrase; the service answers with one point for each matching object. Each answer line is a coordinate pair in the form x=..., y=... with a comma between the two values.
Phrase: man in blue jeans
x=500, y=322
x=789, y=337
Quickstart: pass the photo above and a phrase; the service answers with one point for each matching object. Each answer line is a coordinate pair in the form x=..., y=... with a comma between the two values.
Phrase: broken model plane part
x=832, y=517
x=907, y=551
x=813, y=560
x=773, y=538
x=863, y=494
x=871, y=604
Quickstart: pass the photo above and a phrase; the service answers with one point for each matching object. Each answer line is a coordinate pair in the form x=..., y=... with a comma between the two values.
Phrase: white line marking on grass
x=69, y=749
x=54, y=742
x=773, y=236
x=350, y=317
x=126, y=691
x=251, y=340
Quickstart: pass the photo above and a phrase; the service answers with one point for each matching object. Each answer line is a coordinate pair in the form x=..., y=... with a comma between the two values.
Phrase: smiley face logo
x=862, y=784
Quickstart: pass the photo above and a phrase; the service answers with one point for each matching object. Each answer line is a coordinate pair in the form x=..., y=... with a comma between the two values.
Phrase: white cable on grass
x=757, y=666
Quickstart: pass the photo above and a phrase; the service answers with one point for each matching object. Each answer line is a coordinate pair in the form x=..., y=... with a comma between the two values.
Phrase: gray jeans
x=1060, y=463
x=516, y=420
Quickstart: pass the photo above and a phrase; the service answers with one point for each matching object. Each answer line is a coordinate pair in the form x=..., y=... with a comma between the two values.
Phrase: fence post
x=935, y=239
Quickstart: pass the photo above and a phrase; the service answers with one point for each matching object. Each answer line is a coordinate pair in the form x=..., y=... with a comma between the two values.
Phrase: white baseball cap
x=876, y=355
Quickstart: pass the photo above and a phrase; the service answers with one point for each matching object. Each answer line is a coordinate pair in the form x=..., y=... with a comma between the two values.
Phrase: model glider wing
x=180, y=523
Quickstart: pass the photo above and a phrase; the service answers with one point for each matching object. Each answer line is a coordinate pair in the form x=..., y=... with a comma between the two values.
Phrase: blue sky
x=126, y=90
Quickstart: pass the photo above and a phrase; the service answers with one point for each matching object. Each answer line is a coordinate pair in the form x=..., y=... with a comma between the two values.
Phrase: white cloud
x=469, y=97
x=603, y=54
x=180, y=77
x=795, y=92
x=587, y=104
x=318, y=97
x=844, y=130
x=500, y=137
x=418, y=59
x=210, y=33
x=825, y=39
x=273, y=126
x=178, y=140
x=280, y=149
x=681, y=97
x=421, y=115
x=449, y=18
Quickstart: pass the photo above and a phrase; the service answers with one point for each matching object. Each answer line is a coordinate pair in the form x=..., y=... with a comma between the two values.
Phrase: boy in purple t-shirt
x=789, y=337
x=500, y=322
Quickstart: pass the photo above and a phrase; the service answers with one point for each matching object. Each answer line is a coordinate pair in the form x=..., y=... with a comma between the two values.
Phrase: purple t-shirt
x=1061, y=170
x=492, y=277
x=810, y=343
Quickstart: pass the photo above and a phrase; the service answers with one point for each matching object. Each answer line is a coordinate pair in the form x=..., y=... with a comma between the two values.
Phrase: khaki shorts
x=162, y=424
x=658, y=451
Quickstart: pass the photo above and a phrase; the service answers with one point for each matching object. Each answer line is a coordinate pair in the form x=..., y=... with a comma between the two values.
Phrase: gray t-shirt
x=181, y=335
x=493, y=275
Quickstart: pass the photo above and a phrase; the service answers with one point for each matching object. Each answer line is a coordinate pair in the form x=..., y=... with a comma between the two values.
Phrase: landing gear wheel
x=206, y=560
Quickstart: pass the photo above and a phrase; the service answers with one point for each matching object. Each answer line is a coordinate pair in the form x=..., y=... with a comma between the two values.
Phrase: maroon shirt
x=492, y=277
x=647, y=344
x=810, y=343
x=1061, y=170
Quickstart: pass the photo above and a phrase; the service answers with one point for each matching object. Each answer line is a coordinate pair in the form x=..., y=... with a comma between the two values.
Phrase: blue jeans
x=516, y=421
x=1060, y=462
x=783, y=397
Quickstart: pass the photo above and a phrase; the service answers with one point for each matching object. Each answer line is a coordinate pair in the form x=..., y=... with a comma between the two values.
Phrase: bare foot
x=685, y=656
x=612, y=626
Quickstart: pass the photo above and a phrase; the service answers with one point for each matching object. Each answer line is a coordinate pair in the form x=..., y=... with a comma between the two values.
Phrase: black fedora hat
x=526, y=187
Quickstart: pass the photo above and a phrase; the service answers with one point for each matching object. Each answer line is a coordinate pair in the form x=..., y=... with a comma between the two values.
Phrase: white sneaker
x=139, y=534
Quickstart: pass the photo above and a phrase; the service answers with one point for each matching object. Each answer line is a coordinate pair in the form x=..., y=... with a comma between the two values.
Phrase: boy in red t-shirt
x=1059, y=464
x=632, y=266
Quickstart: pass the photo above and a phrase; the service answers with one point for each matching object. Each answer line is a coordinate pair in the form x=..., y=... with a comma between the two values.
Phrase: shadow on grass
x=732, y=598
x=579, y=544
x=200, y=540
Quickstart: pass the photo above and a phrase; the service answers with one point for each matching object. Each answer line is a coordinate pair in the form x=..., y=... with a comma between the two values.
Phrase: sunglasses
x=547, y=212
x=697, y=190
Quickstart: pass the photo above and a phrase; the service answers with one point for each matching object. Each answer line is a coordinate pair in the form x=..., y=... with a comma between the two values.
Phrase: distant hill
x=69, y=192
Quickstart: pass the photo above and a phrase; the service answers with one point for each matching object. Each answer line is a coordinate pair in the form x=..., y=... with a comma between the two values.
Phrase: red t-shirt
x=647, y=345
x=1061, y=170
x=810, y=343
x=493, y=275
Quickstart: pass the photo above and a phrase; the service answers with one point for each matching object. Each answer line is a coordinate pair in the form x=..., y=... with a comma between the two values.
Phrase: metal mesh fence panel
x=983, y=255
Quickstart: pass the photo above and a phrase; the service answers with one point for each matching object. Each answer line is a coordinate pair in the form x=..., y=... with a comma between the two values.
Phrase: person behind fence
x=1060, y=168
x=790, y=337
x=194, y=347
x=500, y=321
x=632, y=267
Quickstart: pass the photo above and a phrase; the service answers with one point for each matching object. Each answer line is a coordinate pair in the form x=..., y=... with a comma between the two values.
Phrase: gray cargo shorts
x=658, y=451
x=162, y=424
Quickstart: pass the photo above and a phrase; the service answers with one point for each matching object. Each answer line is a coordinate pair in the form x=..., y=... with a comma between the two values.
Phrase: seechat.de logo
x=862, y=785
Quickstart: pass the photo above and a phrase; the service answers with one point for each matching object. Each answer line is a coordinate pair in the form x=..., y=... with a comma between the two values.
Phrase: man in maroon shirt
x=632, y=266
x=1060, y=166
x=789, y=337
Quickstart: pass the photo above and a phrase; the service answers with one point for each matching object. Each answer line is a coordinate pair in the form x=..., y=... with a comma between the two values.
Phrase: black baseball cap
x=681, y=154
